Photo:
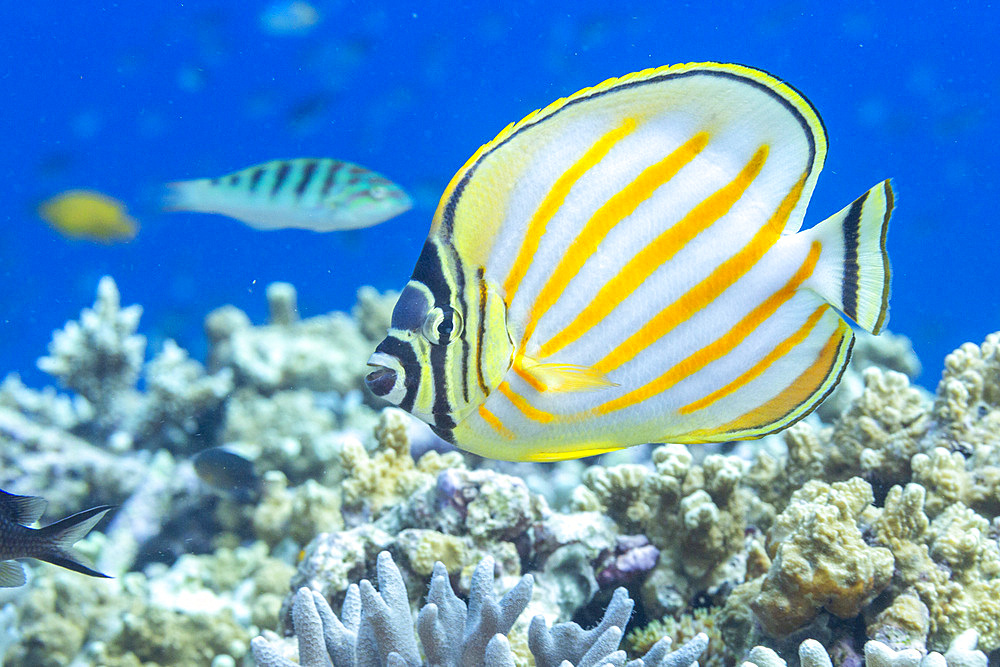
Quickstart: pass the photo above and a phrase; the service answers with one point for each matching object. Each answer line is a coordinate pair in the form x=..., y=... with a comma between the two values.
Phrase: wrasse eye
x=442, y=325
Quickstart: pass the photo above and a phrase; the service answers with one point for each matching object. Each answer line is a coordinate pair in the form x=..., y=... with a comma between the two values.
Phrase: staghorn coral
x=376, y=628
x=180, y=405
x=290, y=431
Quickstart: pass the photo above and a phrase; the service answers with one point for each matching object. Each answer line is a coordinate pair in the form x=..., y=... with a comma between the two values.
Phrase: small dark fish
x=229, y=473
x=53, y=543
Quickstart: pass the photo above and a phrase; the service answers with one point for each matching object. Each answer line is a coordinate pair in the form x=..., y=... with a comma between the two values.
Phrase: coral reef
x=867, y=531
x=376, y=628
x=961, y=653
x=819, y=559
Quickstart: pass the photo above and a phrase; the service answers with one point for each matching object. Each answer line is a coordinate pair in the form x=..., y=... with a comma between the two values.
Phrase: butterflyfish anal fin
x=559, y=377
x=853, y=274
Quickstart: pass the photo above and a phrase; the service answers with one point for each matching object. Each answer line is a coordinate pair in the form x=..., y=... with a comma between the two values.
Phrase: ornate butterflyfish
x=306, y=193
x=626, y=266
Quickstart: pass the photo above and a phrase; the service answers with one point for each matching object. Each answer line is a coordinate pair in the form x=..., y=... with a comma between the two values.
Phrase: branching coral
x=324, y=353
x=961, y=653
x=376, y=628
x=100, y=357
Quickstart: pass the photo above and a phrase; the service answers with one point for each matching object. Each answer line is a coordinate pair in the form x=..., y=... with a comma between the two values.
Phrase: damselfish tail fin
x=58, y=540
x=853, y=271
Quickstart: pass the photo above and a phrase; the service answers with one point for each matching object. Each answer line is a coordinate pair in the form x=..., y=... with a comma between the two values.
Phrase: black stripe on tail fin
x=58, y=540
x=853, y=273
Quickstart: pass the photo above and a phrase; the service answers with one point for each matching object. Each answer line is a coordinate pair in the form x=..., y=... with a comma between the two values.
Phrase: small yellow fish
x=321, y=195
x=89, y=215
x=626, y=265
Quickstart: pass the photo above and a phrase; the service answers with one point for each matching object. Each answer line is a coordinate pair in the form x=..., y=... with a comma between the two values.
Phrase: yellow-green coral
x=820, y=559
x=680, y=630
x=968, y=396
x=881, y=431
x=951, y=563
x=375, y=483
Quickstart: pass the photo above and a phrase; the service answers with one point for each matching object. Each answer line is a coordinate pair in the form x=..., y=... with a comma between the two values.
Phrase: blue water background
x=122, y=97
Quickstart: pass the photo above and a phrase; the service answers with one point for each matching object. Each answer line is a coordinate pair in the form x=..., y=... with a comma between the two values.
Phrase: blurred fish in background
x=289, y=18
x=321, y=195
x=53, y=543
x=229, y=473
x=89, y=215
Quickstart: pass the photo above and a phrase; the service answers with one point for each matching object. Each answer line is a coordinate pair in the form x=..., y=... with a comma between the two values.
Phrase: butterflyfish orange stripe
x=721, y=346
x=554, y=199
x=766, y=362
x=495, y=422
x=528, y=410
x=802, y=389
x=618, y=207
x=653, y=256
x=708, y=289
x=522, y=372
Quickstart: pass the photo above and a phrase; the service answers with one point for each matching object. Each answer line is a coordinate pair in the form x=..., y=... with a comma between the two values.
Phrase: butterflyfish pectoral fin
x=560, y=377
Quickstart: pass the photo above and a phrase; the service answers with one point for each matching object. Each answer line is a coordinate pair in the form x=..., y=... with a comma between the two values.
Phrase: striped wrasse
x=626, y=266
x=319, y=194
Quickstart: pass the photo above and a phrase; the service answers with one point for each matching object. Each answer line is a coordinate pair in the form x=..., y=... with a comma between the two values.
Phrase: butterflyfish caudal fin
x=854, y=274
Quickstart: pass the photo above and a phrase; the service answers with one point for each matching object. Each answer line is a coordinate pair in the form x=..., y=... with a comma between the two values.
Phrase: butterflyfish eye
x=381, y=381
x=442, y=325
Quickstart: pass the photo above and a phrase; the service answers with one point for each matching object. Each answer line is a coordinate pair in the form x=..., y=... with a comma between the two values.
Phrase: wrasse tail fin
x=11, y=574
x=853, y=272
x=62, y=535
x=176, y=196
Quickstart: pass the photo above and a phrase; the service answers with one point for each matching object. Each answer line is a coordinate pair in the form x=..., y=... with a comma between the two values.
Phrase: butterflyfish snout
x=381, y=381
